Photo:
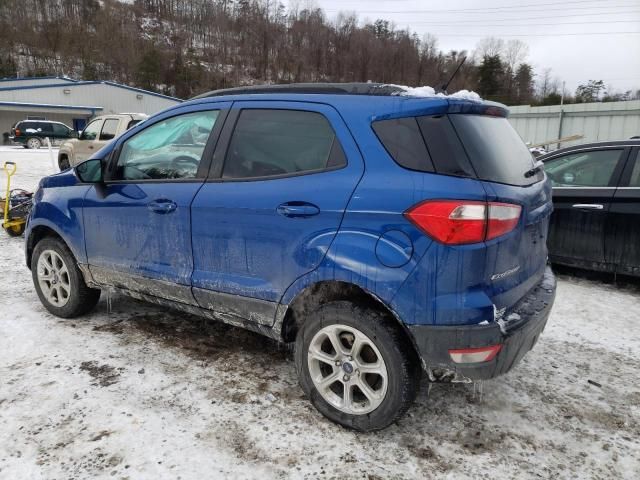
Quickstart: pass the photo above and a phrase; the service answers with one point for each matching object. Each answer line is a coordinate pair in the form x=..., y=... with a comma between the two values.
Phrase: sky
x=578, y=39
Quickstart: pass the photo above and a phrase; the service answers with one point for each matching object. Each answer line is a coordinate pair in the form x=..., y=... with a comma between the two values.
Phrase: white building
x=72, y=102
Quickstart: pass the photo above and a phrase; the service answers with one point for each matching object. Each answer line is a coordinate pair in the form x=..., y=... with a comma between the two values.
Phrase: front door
x=282, y=179
x=87, y=142
x=138, y=225
x=584, y=183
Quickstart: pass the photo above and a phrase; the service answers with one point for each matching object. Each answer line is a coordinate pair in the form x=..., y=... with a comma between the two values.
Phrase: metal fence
x=594, y=121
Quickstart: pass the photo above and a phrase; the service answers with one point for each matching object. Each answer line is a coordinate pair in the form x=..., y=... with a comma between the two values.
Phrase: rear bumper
x=517, y=335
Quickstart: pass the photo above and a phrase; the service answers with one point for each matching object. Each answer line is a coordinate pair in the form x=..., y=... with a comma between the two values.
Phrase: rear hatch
x=515, y=262
x=475, y=140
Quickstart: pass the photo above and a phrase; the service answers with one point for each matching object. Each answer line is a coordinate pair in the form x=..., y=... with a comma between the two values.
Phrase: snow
x=426, y=91
x=145, y=393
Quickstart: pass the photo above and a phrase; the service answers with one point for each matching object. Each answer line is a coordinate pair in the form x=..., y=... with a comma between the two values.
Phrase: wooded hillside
x=185, y=47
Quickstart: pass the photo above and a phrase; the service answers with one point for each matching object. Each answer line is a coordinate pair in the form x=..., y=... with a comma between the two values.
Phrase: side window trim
x=220, y=154
x=633, y=161
x=207, y=154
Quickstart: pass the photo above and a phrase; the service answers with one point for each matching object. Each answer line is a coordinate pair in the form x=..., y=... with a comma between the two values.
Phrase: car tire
x=379, y=360
x=58, y=280
x=63, y=163
x=33, y=143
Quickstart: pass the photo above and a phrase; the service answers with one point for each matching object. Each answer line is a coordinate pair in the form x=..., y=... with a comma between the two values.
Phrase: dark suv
x=32, y=133
x=382, y=234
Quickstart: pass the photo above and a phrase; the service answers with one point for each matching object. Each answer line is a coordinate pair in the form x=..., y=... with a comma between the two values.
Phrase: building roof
x=51, y=77
x=49, y=106
x=68, y=83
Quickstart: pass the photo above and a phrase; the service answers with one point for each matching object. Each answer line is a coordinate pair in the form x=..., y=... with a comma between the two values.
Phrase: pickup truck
x=96, y=135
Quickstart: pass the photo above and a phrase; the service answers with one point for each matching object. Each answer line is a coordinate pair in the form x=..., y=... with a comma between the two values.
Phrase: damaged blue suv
x=385, y=235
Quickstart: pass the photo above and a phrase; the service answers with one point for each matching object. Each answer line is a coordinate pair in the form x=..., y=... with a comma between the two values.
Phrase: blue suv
x=385, y=235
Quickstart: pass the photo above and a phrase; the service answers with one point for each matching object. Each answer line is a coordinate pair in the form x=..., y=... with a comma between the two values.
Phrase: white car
x=96, y=135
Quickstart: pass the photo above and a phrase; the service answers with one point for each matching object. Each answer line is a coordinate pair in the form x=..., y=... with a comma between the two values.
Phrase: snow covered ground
x=144, y=392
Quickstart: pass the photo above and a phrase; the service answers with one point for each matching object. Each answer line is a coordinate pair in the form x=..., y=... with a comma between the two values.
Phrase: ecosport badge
x=499, y=276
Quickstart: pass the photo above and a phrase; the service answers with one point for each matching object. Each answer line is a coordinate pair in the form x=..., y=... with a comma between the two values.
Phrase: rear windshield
x=495, y=149
x=463, y=145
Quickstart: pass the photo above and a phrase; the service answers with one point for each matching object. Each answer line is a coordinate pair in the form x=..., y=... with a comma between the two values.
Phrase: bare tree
x=514, y=53
x=488, y=47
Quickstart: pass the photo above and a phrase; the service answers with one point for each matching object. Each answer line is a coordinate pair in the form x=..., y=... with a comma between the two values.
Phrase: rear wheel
x=34, y=143
x=356, y=367
x=59, y=282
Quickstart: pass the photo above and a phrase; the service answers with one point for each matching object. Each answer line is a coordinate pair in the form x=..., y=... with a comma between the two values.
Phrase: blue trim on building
x=49, y=105
x=77, y=83
x=51, y=77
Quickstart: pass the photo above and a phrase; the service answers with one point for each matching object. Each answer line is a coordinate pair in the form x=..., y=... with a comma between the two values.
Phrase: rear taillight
x=475, y=355
x=458, y=222
x=18, y=132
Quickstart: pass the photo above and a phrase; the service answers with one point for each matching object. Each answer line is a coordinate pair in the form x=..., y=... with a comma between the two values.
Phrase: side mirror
x=74, y=134
x=90, y=171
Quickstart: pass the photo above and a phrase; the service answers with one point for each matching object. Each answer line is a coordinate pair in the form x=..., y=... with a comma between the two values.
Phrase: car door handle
x=588, y=206
x=90, y=147
x=298, y=209
x=162, y=206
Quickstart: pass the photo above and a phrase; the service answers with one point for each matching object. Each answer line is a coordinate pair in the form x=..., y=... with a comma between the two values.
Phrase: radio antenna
x=446, y=85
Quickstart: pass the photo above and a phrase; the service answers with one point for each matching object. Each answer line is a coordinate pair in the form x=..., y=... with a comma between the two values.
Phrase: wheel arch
x=322, y=292
x=36, y=234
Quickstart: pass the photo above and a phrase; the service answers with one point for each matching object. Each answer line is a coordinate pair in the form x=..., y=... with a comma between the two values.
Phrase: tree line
x=185, y=47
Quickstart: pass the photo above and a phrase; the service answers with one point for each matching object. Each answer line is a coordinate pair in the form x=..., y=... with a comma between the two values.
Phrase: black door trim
x=251, y=309
x=107, y=277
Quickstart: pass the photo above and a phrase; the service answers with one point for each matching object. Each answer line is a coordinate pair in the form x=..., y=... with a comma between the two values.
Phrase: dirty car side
x=262, y=251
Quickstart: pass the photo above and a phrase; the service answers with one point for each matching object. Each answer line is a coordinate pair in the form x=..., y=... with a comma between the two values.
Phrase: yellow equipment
x=15, y=219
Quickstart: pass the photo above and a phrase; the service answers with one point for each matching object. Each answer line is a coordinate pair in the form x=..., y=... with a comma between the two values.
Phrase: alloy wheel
x=347, y=369
x=53, y=278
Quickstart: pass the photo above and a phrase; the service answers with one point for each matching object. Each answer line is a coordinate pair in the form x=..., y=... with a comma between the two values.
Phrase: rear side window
x=447, y=152
x=27, y=127
x=403, y=141
x=109, y=129
x=60, y=130
x=495, y=149
x=268, y=143
x=45, y=127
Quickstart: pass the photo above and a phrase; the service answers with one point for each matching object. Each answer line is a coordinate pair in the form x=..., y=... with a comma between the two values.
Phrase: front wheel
x=58, y=280
x=356, y=366
x=34, y=143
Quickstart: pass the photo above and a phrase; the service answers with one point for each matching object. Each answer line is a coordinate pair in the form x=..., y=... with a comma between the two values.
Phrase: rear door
x=622, y=237
x=584, y=184
x=45, y=130
x=283, y=175
x=60, y=133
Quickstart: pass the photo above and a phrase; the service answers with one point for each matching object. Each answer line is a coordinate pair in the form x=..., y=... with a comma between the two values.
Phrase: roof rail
x=378, y=89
